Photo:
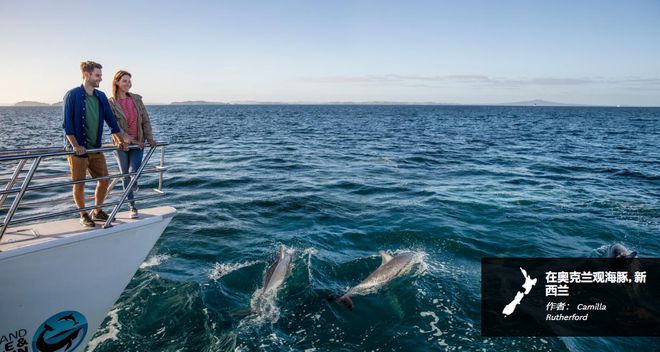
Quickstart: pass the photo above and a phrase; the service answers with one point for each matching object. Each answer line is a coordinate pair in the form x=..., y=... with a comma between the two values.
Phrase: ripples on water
x=339, y=183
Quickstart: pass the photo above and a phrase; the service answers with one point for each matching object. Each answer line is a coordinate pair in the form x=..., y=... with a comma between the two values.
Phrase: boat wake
x=154, y=261
x=220, y=269
x=109, y=332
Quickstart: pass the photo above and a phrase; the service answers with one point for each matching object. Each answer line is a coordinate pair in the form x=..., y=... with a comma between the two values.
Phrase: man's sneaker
x=86, y=221
x=133, y=212
x=99, y=215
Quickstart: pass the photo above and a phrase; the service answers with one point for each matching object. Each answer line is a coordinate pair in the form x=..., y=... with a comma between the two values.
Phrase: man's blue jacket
x=74, y=116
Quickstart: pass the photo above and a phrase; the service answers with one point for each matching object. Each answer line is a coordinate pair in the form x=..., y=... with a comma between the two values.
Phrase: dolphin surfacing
x=620, y=251
x=390, y=268
x=278, y=270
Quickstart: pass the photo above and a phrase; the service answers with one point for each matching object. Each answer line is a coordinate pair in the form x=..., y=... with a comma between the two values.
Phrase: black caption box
x=570, y=297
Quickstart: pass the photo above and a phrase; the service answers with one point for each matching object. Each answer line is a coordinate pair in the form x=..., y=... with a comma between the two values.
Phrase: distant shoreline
x=531, y=103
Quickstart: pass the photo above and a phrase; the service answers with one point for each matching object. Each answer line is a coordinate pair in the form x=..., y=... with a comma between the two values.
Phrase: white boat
x=59, y=279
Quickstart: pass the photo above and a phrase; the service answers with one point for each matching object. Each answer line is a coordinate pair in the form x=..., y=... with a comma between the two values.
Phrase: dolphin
x=390, y=268
x=620, y=251
x=278, y=270
x=70, y=318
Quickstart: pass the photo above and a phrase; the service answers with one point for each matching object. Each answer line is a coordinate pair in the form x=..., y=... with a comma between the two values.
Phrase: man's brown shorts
x=95, y=163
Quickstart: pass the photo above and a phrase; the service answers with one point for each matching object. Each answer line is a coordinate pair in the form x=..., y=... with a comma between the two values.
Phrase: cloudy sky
x=472, y=52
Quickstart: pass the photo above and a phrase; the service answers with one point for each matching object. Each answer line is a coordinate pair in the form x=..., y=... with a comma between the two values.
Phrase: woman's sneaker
x=133, y=212
x=86, y=221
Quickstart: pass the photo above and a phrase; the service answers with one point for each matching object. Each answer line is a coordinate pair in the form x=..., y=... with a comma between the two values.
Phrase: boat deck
x=28, y=235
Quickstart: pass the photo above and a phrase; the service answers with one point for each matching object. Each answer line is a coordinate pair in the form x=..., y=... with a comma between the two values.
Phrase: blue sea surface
x=337, y=184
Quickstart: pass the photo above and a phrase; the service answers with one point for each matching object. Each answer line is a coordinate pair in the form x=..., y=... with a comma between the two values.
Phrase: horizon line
x=533, y=102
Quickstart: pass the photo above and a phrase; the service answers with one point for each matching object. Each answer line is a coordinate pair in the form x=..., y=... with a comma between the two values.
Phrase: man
x=85, y=109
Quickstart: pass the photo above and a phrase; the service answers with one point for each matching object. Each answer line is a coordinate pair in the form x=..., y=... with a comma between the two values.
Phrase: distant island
x=539, y=102
x=28, y=103
x=32, y=104
x=536, y=102
x=196, y=102
x=255, y=102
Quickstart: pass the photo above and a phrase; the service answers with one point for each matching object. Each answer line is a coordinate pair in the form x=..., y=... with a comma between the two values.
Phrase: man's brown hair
x=89, y=66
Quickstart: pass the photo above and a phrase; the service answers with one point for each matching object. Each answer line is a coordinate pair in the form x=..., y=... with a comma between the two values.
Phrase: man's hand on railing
x=79, y=150
x=122, y=146
x=120, y=140
x=117, y=139
x=152, y=143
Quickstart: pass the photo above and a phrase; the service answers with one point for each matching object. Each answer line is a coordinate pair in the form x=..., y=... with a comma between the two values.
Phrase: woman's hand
x=138, y=143
x=126, y=138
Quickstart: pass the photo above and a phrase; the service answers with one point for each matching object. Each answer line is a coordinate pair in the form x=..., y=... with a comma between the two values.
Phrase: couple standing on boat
x=85, y=109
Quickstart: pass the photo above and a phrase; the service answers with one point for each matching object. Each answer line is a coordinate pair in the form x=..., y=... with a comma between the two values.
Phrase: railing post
x=162, y=166
x=108, y=223
x=12, y=182
x=19, y=196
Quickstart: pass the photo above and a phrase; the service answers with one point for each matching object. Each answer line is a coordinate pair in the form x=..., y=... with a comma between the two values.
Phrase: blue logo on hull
x=62, y=332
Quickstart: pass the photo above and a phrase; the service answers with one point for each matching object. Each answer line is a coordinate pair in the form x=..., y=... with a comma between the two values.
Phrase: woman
x=134, y=122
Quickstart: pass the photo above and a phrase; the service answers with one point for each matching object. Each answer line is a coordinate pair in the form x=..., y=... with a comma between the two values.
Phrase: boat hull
x=59, y=291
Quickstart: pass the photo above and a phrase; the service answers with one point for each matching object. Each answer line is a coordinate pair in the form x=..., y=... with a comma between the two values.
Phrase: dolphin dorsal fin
x=386, y=257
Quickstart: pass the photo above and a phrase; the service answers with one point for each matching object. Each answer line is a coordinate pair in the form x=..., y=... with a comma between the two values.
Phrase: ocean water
x=336, y=184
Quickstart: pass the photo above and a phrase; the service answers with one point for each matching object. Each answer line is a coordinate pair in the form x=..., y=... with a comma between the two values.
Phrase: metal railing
x=37, y=155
